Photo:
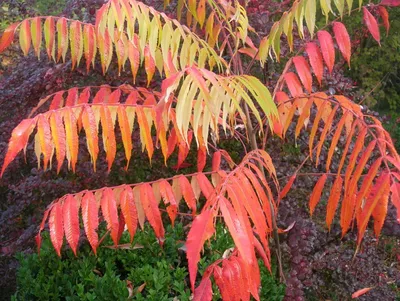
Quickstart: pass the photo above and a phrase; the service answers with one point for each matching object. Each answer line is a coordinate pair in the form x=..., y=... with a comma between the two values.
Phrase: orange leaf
x=90, y=219
x=110, y=213
x=25, y=36
x=201, y=230
x=316, y=193
x=107, y=126
x=90, y=127
x=126, y=133
x=188, y=193
x=395, y=190
x=58, y=135
x=134, y=57
x=293, y=84
x=8, y=36
x=287, y=187
x=128, y=208
x=316, y=125
x=56, y=227
x=169, y=199
x=327, y=127
x=76, y=40
x=372, y=25
x=327, y=48
x=46, y=144
x=361, y=292
x=385, y=18
x=71, y=222
x=333, y=200
x=315, y=56
x=149, y=64
x=49, y=37
x=145, y=130
x=380, y=211
x=89, y=45
x=335, y=139
x=18, y=141
x=62, y=38
x=36, y=33
x=71, y=137
x=151, y=210
x=380, y=189
x=303, y=70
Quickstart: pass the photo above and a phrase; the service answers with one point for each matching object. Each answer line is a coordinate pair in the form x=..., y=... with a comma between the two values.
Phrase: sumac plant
x=204, y=57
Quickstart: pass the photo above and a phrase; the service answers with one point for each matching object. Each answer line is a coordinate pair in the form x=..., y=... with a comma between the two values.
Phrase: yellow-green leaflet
x=310, y=12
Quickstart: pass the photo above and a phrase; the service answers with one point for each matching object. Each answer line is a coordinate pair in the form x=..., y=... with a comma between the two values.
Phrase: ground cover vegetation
x=188, y=131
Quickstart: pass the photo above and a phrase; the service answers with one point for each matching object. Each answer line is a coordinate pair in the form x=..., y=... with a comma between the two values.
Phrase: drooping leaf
x=90, y=219
x=71, y=222
x=333, y=200
x=201, y=230
x=151, y=210
x=343, y=40
x=56, y=227
x=18, y=141
x=110, y=213
x=303, y=70
x=327, y=48
x=385, y=18
x=8, y=36
x=128, y=209
x=372, y=25
x=316, y=60
x=316, y=193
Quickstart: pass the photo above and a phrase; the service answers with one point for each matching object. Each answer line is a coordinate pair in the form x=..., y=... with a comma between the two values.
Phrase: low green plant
x=141, y=271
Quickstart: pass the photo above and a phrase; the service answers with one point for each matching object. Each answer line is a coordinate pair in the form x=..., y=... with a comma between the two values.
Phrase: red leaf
x=206, y=187
x=316, y=60
x=8, y=36
x=395, y=190
x=129, y=211
x=204, y=291
x=38, y=237
x=18, y=141
x=372, y=25
x=390, y=2
x=238, y=231
x=216, y=161
x=293, y=83
x=188, y=193
x=343, y=40
x=361, y=292
x=71, y=222
x=110, y=213
x=90, y=219
x=385, y=18
x=201, y=158
x=56, y=227
x=201, y=230
x=151, y=210
x=327, y=48
x=303, y=70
